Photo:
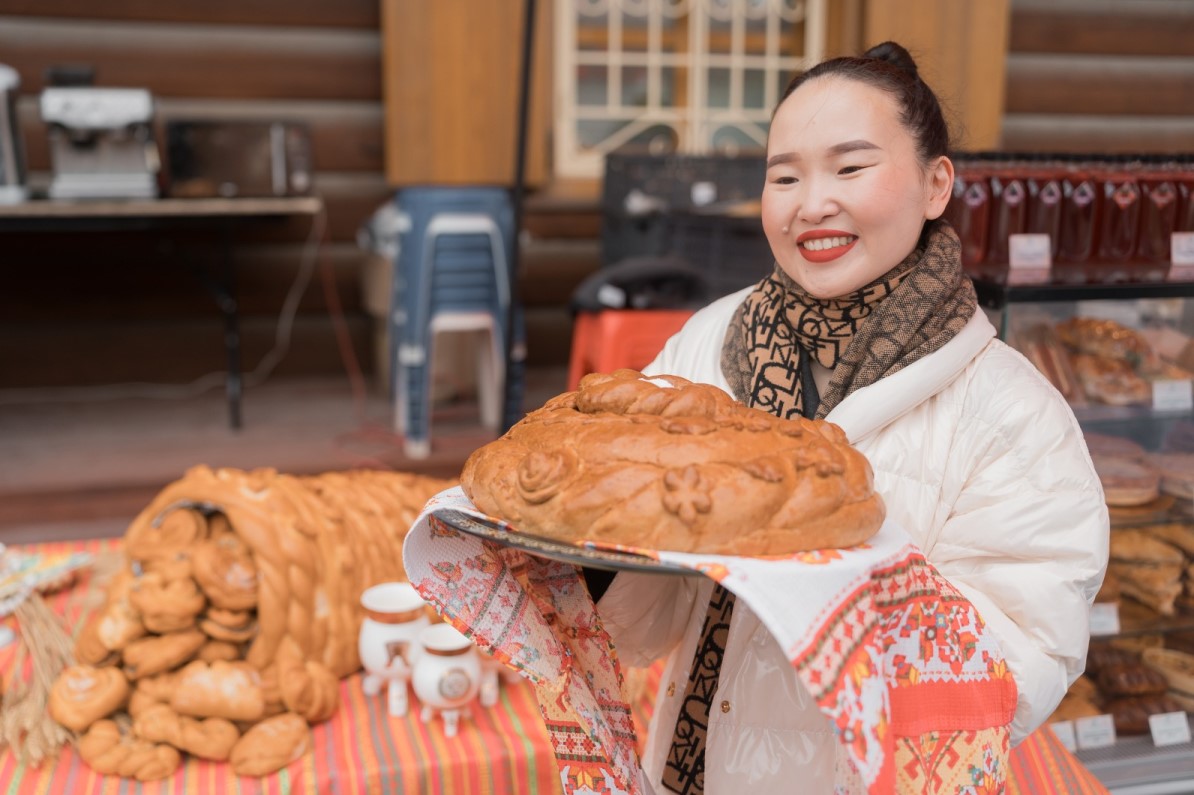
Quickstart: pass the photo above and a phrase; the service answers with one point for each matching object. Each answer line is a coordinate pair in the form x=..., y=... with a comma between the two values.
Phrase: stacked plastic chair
x=453, y=275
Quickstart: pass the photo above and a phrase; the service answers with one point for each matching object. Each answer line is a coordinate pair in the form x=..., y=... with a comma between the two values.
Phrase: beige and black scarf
x=909, y=312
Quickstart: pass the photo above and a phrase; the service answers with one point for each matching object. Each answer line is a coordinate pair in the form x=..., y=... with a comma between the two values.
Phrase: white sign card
x=1104, y=618
x=1097, y=731
x=1181, y=257
x=1064, y=729
x=1169, y=728
x=1030, y=259
x=1173, y=395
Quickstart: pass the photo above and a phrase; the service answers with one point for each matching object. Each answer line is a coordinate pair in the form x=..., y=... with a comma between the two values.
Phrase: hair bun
x=894, y=54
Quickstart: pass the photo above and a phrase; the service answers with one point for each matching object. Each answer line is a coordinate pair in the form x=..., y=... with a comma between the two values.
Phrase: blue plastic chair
x=452, y=275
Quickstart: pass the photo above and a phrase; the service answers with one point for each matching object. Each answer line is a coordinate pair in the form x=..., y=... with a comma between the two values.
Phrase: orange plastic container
x=605, y=341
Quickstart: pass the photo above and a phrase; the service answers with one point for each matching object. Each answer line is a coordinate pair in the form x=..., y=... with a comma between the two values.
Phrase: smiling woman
x=869, y=322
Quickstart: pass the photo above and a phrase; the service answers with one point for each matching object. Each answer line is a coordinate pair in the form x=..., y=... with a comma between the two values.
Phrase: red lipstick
x=825, y=244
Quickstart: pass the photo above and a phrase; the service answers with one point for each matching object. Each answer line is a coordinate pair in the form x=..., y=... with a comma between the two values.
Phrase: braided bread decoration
x=212, y=738
x=307, y=687
x=108, y=752
x=240, y=603
x=316, y=543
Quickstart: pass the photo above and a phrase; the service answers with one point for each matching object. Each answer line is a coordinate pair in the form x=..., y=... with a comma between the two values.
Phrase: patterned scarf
x=911, y=311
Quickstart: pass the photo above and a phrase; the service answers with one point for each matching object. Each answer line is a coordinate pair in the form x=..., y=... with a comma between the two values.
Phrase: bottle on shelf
x=1184, y=177
x=1009, y=208
x=1158, y=217
x=969, y=211
x=1042, y=181
x=1081, y=210
x=1120, y=223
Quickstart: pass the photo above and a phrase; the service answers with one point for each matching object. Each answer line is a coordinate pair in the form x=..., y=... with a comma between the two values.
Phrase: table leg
x=233, y=385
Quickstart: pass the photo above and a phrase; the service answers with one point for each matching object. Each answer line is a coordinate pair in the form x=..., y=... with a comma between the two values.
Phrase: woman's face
x=846, y=196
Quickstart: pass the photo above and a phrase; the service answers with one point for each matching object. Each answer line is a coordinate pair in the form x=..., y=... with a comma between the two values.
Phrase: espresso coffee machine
x=101, y=142
x=13, y=188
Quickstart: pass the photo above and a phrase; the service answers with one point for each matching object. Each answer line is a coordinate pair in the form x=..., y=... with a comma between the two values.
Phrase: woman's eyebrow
x=857, y=145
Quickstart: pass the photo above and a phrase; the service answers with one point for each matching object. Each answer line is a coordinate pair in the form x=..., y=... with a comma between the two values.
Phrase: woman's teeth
x=822, y=243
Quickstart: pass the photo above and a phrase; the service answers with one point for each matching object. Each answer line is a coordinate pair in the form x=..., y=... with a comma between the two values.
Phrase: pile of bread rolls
x=1130, y=679
x=1152, y=542
x=226, y=632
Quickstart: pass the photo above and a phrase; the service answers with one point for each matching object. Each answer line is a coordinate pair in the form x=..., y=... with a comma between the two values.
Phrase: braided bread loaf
x=107, y=751
x=211, y=738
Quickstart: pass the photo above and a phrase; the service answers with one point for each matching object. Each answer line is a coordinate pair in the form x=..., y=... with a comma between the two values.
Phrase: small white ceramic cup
x=389, y=640
x=447, y=674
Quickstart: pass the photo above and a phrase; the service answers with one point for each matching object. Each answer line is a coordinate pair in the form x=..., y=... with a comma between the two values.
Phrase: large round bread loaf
x=664, y=463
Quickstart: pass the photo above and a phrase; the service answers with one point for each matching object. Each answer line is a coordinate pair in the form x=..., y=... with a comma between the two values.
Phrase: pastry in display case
x=1121, y=356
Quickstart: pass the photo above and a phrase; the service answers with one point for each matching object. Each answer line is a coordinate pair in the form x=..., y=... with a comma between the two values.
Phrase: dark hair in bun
x=888, y=67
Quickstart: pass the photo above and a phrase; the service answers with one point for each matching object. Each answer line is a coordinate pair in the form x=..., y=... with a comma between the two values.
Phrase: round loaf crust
x=663, y=463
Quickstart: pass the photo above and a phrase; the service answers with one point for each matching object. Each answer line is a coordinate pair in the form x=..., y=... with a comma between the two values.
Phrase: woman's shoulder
x=999, y=363
x=1005, y=389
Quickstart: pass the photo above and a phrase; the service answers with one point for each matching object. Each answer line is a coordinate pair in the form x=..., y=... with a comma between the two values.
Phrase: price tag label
x=1181, y=257
x=1064, y=729
x=1173, y=395
x=1030, y=259
x=1097, y=731
x=1104, y=618
x=1169, y=728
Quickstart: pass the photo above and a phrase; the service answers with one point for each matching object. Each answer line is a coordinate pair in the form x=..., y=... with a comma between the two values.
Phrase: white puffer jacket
x=982, y=461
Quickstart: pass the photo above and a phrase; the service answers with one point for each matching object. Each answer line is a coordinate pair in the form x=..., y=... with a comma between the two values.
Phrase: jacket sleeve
x=1026, y=539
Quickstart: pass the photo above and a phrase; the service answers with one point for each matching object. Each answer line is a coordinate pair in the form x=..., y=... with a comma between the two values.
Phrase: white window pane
x=592, y=85
x=719, y=88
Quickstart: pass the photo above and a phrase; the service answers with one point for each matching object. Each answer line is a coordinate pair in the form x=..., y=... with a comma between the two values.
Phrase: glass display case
x=1123, y=357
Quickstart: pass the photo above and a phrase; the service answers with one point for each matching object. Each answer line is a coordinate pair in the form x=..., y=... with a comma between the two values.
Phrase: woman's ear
x=939, y=186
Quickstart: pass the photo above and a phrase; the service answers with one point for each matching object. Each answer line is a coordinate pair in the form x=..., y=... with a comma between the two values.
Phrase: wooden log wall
x=1106, y=76
x=107, y=307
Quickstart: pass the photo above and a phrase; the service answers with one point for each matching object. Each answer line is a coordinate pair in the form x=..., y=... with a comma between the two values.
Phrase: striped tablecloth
x=504, y=749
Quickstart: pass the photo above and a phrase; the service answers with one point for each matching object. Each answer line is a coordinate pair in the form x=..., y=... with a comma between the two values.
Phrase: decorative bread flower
x=541, y=475
x=687, y=493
